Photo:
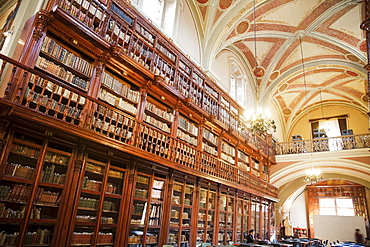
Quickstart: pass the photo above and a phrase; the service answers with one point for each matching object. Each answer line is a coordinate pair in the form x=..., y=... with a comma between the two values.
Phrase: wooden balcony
x=95, y=120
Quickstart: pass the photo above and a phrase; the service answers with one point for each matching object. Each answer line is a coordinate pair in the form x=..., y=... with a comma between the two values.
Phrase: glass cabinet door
x=146, y=215
x=181, y=212
x=206, y=216
x=90, y=200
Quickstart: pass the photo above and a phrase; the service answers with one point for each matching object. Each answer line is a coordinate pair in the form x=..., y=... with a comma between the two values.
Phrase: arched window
x=237, y=83
x=162, y=13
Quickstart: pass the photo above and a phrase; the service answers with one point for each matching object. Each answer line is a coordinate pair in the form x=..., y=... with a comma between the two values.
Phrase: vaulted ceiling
x=307, y=52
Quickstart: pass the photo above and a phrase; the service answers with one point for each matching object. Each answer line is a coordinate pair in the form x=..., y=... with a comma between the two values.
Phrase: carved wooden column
x=29, y=56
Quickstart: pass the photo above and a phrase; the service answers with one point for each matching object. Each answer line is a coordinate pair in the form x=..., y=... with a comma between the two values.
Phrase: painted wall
x=357, y=121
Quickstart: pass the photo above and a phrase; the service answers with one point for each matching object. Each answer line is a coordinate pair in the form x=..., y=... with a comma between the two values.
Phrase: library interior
x=185, y=123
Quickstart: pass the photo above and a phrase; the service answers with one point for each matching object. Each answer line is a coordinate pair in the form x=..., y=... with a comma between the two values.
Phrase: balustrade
x=323, y=144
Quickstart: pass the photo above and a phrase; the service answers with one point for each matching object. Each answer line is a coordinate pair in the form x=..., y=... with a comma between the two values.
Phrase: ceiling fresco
x=307, y=52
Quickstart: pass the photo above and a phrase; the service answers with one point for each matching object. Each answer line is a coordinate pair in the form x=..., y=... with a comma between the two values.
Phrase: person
x=250, y=236
x=359, y=238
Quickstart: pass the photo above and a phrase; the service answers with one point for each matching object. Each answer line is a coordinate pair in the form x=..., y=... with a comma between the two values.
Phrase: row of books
x=145, y=33
x=243, y=157
x=89, y=218
x=120, y=88
x=228, y=149
x=120, y=31
x=91, y=184
x=86, y=237
x=186, y=137
x=56, y=89
x=84, y=17
x=52, y=48
x=228, y=158
x=16, y=192
x=157, y=123
x=184, y=124
x=95, y=168
x=142, y=179
x=115, y=116
x=61, y=73
x=99, y=125
x=11, y=213
x=51, y=104
x=18, y=170
x=210, y=149
x=159, y=112
x=117, y=101
x=46, y=197
x=165, y=51
x=25, y=150
x=56, y=158
x=210, y=136
x=91, y=6
x=41, y=236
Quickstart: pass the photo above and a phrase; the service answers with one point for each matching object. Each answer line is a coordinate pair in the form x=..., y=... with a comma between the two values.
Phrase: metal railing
x=323, y=144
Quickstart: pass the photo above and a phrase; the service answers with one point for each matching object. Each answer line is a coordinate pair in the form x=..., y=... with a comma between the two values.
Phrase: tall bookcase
x=100, y=201
x=206, y=215
x=226, y=219
x=181, y=213
x=242, y=218
x=33, y=181
x=147, y=209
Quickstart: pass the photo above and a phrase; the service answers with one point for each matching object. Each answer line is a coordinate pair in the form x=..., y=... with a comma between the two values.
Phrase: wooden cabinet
x=181, y=213
x=147, y=210
x=33, y=181
x=242, y=218
x=226, y=221
x=100, y=201
x=206, y=215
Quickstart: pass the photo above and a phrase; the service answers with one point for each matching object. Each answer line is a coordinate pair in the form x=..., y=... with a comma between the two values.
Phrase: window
x=232, y=86
x=162, y=13
x=336, y=206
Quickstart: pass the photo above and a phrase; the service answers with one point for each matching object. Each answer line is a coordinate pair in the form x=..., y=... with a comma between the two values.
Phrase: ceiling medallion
x=259, y=71
x=242, y=27
x=287, y=111
x=224, y=4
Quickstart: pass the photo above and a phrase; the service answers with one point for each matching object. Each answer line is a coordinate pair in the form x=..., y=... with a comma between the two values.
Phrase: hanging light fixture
x=312, y=175
x=258, y=122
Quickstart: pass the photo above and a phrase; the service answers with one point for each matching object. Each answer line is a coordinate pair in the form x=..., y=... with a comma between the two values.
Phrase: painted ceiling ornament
x=224, y=4
x=259, y=71
x=242, y=27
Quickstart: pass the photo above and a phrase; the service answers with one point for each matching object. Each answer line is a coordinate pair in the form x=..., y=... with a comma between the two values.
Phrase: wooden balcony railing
x=324, y=144
x=48, y=96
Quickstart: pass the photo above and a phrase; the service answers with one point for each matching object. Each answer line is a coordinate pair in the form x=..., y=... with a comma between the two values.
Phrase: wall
x=187, y=37
x=354, y=118
x=298, y=217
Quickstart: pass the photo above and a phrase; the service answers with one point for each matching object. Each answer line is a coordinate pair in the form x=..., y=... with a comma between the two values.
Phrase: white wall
x=187, y=37
x=298, y=215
